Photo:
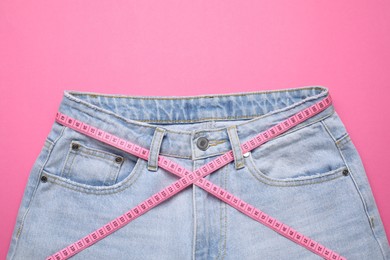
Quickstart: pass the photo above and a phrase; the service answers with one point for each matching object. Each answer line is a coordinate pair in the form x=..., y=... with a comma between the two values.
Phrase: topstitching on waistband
x=197, y=107
x=137, y=117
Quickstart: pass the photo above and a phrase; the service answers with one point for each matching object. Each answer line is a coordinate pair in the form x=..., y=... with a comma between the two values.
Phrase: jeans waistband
x=186, y=118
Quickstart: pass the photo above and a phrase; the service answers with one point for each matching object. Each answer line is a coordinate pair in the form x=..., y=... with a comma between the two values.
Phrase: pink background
x=188, y=48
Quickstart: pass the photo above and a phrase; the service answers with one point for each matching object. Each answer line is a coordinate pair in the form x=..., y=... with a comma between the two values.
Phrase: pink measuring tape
x=196, y=177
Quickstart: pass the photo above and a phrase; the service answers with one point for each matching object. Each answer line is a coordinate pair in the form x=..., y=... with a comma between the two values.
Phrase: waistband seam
x=209, y=95
x=141, y=122
x=258, y=117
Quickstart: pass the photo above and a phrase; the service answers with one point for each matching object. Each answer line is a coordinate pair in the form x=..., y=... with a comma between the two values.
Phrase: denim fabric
x=299, y=178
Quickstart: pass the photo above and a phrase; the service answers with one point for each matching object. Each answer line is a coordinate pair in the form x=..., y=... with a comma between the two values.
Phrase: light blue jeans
x=310, y=178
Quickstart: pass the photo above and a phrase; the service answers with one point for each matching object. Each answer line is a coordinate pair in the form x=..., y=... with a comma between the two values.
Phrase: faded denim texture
x=299, y=178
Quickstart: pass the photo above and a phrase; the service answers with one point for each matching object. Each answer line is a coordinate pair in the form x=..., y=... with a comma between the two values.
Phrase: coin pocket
x=87, y=165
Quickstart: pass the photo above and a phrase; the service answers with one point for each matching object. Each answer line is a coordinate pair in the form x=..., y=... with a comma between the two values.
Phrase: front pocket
x=91, y=166
x=85, y=164
x=301, y=156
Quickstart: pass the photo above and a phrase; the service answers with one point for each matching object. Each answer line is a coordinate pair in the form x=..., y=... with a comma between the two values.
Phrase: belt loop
x=236, y=147
x=155, y=149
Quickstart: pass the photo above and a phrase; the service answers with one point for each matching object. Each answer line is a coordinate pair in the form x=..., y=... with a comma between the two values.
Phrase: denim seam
x=95, y=155
x=152, y=166
x=223, y=207
x=48, y=143
x=331, y=175
x=254, y=117
x=65, y=169
x=105, y=190
x=175, y=155
x=67, y=166
x=151, y=158
x=20, y=228
x=32, y=196
x=238, y=158
x=152, y=154
x=328, y=130
x=220, y=217
x=326, y=92
x=89, y=151
x=114, y=167
x=159, y=144
x=220, y=224
x=94, y=94
x=301, y=126
x=364, y=202
x=226, y=215
x=85, y=150
x=344, y=140
x=110, y=179
x=202, y=119
x=193, y=153
x=341, y=143
x=154, y=151
x=195, y=216
x=127, y=121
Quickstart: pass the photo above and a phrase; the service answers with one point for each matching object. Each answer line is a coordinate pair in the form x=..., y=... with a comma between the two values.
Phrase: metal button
x=202, y=143
x=345, y=172
x=246, y=154
x=118, y=159
x=75, y=146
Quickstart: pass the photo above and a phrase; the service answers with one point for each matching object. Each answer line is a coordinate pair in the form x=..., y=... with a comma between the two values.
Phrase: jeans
x=310, y=177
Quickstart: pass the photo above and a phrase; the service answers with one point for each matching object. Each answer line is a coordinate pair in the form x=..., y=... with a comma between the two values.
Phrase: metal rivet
x=118, y=159
x=44, y=178
x=372, y=221
x=246, y=154
x=240, y=165
x=202, y=143
x=75, y=146
x=345, y=172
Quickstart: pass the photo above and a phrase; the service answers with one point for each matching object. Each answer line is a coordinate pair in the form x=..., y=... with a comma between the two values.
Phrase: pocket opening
x=302, y=180
x=128, y=180
x=308, y=154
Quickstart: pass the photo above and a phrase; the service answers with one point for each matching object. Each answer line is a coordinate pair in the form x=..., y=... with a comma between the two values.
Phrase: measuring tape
x=196, y=177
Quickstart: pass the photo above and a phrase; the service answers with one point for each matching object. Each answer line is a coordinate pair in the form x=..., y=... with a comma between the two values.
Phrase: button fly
x=202, y=143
